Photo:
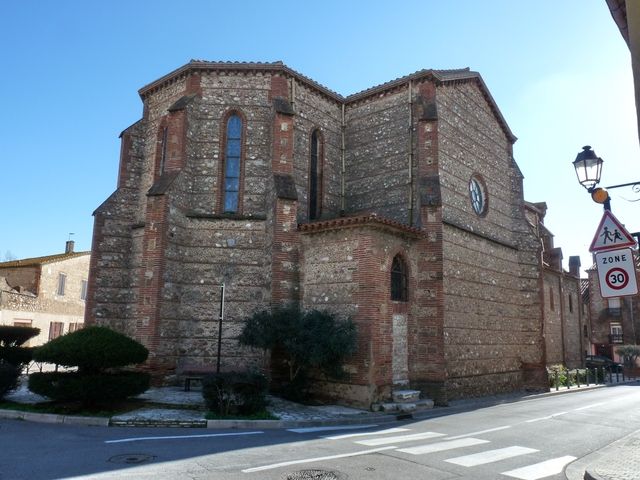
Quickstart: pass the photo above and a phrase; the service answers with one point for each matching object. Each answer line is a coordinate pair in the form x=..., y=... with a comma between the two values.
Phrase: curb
x=53, y=418
x=275, y=424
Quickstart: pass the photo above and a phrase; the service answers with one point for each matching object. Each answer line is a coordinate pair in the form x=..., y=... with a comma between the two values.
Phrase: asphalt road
x=528, y=439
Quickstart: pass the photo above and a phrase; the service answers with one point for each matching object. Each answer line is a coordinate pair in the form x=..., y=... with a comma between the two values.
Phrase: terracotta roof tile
x=358, y=221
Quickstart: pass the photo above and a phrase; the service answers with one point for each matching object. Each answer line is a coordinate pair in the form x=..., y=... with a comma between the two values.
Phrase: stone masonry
x=390, y=175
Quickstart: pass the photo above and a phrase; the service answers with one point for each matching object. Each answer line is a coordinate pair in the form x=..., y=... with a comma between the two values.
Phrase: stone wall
x=493, y=317
x=377, y=155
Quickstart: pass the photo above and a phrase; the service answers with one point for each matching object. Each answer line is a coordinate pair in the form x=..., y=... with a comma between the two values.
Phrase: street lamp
x=588, y=168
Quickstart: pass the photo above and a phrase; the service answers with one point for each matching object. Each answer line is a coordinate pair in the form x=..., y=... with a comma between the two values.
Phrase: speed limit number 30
x=616, y=272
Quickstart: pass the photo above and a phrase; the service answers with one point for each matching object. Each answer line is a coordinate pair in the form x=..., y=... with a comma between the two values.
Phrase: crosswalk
x=482, y=452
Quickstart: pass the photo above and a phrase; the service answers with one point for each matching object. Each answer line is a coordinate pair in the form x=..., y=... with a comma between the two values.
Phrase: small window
x=551, y=303
x=478, y=195
x=74, y=326
x=233, y=151
x=83, y=291
x=570, y=303
x=398, y=280
x=62, y=281
x=585, y=331
x=315, y=176
x=163, y=150
x=55, y=329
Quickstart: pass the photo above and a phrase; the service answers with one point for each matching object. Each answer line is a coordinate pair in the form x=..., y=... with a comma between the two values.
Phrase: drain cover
x=132, y=458
x=312, y=475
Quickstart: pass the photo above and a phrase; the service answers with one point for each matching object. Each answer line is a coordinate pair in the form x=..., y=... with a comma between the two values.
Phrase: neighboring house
x=45, y=292
x=400, y=206
x=613, y=321
x=561, y=292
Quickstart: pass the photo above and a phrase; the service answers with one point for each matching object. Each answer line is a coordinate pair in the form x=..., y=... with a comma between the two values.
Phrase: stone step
x=406, y=407
x=405, y=396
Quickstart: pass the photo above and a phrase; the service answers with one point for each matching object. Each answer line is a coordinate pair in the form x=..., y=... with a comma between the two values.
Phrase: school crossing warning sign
x=617, y=273
x=610, y=235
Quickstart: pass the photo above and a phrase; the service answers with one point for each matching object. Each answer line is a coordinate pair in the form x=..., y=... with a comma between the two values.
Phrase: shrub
x=98, y=352
x=8, y=377
x=89, y=389
x=629, y=354
x=308, y=341
x=92, y=349
x=12, y=355
x=235, y=392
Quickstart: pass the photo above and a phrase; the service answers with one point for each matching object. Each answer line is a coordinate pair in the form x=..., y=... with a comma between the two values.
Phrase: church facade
x=400, y=206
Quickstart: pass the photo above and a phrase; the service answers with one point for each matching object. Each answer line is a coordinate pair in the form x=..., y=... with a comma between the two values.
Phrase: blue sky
x=559, y=71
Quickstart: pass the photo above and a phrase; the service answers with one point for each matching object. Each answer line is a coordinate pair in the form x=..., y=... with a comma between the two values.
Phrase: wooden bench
x=193, y=373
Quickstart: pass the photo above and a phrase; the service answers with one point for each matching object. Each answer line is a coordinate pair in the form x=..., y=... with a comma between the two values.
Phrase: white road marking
x=589, y=406
x=181, y=437
x=546, y=418
x=328, y=429
x=400, y=438
x=479, y=433
x=442, y=446
x=490, y=456
x=542, y=469
x=377, y=432
x=317, y=459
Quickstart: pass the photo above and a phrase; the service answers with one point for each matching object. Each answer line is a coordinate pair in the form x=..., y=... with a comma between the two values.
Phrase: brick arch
x=404, y=257
x=223, y=158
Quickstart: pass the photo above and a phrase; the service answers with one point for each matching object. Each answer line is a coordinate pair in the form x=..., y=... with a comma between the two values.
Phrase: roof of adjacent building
x=35, y=261
x=439, y=76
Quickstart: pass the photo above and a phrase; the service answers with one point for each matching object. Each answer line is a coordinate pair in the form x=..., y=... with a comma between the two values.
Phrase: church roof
x=439, y=76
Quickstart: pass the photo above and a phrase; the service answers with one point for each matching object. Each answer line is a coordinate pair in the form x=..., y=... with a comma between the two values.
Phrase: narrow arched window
x=399, y=281
x=315, y=176
x=163, y=149
x=232, y=163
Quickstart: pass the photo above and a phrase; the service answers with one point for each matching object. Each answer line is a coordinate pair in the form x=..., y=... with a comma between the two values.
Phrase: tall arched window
x=399, y=280
x=315, y=176
x=232, y=164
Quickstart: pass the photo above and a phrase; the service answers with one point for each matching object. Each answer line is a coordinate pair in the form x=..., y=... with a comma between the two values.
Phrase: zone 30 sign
x=617, y=273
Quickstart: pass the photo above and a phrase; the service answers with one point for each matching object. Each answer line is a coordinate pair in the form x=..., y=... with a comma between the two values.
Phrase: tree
x=307, y=341
x=629, y=354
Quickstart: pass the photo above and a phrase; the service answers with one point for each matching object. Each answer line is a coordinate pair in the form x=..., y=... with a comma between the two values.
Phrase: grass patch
x=263, y=415
x=73, y=408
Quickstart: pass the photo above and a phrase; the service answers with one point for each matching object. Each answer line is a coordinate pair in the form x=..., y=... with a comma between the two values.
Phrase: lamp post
x=588, y=168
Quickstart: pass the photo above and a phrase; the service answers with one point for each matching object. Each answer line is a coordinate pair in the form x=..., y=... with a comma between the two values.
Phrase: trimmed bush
x=8, y=377
x=91, y=389
x=98, y=352
x=92, y=350
x=230, y=393
x=12, y=355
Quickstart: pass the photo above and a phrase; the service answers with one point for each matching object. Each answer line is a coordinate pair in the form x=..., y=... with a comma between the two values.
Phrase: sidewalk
x=618, y=461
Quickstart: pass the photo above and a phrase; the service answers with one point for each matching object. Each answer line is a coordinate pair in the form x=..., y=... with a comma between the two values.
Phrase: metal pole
x=220, y=317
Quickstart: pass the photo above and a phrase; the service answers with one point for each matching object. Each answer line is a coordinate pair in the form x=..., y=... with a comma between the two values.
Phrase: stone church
x=400, y=206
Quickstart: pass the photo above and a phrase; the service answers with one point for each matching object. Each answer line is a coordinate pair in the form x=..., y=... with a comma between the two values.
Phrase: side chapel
x=400, y=206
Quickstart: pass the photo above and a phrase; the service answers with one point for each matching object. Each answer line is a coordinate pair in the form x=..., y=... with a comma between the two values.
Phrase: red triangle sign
x=610, y=235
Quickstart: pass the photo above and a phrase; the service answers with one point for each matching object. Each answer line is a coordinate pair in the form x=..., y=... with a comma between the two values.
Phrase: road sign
x=610, y=235
x=617, y=273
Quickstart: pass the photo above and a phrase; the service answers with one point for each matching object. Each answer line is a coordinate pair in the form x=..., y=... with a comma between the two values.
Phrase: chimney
x=574, y=266
x=68, y=248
